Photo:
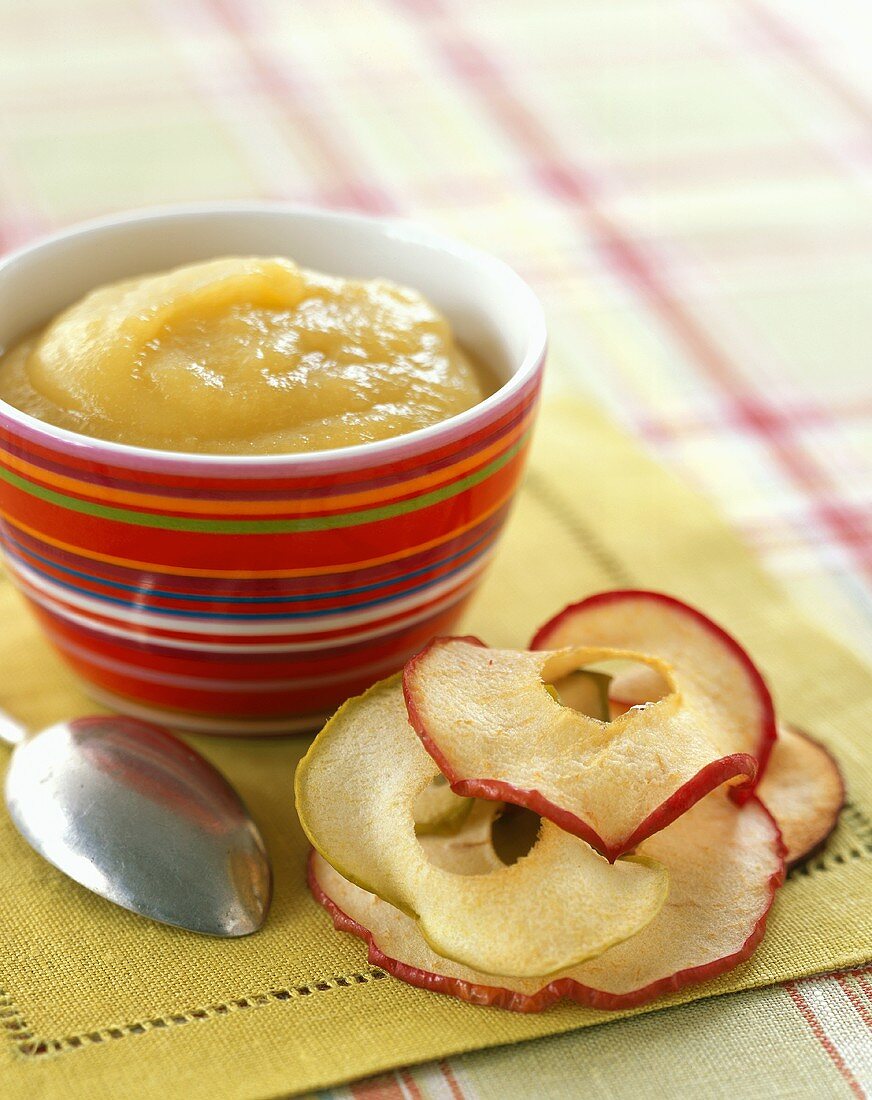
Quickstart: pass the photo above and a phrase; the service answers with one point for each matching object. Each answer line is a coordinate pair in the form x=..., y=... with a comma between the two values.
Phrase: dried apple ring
x=725, y=863
x=562, y=903
x=489, y=720
x=700, y=652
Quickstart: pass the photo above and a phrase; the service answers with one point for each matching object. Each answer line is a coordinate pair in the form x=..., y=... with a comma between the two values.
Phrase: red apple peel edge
x=706, y=780
x=768, y=732
x=816, y=847
x=499, y=997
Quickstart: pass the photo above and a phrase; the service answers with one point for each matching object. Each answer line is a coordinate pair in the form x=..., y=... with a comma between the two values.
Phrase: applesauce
x=244, y=355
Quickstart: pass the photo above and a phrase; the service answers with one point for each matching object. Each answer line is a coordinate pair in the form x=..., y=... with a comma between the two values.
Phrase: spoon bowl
x=138, y=817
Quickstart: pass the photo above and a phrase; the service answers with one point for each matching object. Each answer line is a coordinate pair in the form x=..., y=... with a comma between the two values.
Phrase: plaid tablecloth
x=686, y=184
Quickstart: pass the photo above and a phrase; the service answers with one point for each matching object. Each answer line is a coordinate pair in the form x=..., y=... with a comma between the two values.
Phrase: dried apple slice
x=725, y=863
x=803, y=790
x=803, y=787
x=562, y=903
x=438, y=810
x=700, y=653
x=489, y=720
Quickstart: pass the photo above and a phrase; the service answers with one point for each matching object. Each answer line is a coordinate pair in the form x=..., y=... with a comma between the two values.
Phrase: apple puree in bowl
x=244, y=355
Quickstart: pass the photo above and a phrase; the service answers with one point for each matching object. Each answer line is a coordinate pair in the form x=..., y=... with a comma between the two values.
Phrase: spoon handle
x=10, y=730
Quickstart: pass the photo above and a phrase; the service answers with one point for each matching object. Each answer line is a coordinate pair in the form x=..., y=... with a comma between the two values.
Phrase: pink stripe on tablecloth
x=451, y=1080
x=409, y=1084
x=385, y=1087
x=862, y=1010
x=805, y=53
x=817, y=1029
x=565, y=181
x=278, y=85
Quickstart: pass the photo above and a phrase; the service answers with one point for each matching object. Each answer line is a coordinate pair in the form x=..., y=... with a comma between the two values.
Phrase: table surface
x=685, y=184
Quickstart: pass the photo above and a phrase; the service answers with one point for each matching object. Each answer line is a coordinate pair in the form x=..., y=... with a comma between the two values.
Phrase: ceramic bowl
x=253, y=594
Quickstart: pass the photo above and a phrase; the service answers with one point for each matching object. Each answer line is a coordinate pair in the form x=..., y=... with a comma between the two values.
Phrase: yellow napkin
x=98, y=1003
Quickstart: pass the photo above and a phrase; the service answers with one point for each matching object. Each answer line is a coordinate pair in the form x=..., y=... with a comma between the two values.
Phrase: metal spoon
x=137, y=816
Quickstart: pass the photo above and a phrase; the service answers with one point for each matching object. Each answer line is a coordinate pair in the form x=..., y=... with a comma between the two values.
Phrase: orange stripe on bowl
x=230, y=508
x=313, y=571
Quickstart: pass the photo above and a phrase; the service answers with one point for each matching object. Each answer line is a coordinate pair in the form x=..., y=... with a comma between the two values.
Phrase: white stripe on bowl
x=205, y=645
x=278, y=625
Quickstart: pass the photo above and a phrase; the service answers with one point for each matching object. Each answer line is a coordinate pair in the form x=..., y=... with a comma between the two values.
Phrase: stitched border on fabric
x=30, y=1045
x=852, y=841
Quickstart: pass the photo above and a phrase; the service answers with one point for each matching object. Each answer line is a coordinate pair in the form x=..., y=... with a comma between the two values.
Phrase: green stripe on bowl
x=263, y=526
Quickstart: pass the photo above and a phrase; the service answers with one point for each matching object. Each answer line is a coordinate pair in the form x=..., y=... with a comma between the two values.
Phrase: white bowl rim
x=373, y=453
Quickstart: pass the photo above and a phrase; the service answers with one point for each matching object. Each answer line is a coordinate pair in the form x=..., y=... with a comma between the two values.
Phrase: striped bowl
x=253, y=594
